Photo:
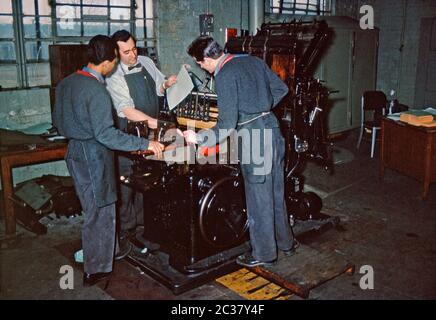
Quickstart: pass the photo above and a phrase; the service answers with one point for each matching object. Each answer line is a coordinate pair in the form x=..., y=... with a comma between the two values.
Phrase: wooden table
x=410, y=150
x=10, y=159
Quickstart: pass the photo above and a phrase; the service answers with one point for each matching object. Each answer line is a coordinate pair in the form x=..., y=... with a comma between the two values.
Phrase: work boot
x=247, y=260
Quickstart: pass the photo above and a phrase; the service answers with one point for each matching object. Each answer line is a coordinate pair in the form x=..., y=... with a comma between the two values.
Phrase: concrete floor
x=384, y=224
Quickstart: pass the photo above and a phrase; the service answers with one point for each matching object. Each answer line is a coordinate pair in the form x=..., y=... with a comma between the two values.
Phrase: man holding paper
x=134, y=88
x=136, y=83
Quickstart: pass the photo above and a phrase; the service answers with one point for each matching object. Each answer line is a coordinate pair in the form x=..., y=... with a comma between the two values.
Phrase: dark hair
x=204, y=47
x=100, y=49
x=122, y=35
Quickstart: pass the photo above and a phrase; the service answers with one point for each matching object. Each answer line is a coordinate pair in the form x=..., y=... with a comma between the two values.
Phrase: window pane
x=29, y=7
x=100, y=2
x=38, y=74
x=44, y=8
x=68, y=29
x=45, y=27
x=120, y=14
x=149, y=8
x=150, y=32
x=9, y=78
x=68, y=1
x=6, y=28
x=139, y=29
x=67, y=14
x=139, y=12
x=5, y=6
x=36, y=51
x=94, y=28
x=119, y=26
x=123, y=2
x=29, y=27
x=95, y=11
x=7, y=51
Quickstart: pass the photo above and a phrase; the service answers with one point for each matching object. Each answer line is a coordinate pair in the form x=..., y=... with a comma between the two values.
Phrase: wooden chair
x=373, y=108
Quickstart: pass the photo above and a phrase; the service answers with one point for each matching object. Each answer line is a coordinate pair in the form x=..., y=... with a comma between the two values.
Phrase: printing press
x=195, y=222
x=194, y=214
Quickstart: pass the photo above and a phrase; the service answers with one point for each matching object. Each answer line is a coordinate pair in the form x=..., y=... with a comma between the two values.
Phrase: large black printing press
x=194, y=214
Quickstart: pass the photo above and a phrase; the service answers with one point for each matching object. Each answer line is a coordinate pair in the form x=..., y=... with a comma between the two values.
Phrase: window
x=24, y=41
x=82, y=19
x=309, y=7
x=37, y=36
x=8, y=56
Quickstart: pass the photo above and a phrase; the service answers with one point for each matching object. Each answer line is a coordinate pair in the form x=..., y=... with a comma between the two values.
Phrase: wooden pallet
x=306, y=269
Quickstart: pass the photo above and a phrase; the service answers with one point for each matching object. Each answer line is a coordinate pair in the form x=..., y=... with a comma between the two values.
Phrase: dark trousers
x=98, y=231
x=268, y=221
x=130, y=202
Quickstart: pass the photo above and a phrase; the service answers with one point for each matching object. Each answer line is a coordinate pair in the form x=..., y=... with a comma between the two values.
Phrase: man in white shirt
x=134, y=87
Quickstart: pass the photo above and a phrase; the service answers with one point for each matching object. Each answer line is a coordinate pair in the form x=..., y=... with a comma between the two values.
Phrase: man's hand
x=157, y=148
x=172, y=79
x=190, y=136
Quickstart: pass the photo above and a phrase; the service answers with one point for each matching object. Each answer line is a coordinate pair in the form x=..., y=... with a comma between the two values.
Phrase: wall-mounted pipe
x=256, y=15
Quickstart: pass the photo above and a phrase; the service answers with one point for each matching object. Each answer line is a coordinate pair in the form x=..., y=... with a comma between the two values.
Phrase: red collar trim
x=227, y=59
x=85, y=73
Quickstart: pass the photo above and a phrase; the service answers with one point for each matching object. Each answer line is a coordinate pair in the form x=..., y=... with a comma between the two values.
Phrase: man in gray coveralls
x=83, y=114
x=247, y=90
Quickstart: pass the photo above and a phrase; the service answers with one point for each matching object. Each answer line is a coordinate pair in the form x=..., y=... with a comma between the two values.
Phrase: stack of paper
x=418, y=118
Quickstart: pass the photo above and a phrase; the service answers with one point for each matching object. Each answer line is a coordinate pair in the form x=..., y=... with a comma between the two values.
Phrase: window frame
x=20, y=40
x=322, y=7
x=11, y=62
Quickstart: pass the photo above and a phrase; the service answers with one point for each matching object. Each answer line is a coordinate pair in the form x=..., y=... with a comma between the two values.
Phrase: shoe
x=124, y=249
x=91, y=279
x=247, y=260
x=141, y=254
x=78, y=256
x=293, y=250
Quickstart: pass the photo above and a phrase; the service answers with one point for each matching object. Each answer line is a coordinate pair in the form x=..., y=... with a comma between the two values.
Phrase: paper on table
x=394, y=116
x=56, y=138
x=431, y=110
x=180, y=89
